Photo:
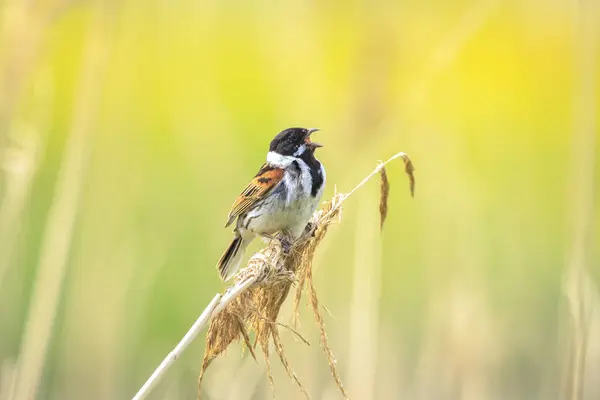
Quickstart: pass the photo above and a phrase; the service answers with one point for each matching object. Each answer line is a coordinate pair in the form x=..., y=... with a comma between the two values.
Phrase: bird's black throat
x=314, y=167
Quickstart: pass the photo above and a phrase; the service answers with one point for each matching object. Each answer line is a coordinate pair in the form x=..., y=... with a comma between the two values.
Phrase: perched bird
x=281, y=198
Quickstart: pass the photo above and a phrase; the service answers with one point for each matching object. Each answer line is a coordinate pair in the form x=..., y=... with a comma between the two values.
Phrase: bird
x=281, y=197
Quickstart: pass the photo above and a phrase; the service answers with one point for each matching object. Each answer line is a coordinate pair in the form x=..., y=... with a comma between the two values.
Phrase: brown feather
x=264, y=181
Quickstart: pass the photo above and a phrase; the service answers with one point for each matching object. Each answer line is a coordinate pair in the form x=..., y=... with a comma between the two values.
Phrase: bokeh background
x=127, y=128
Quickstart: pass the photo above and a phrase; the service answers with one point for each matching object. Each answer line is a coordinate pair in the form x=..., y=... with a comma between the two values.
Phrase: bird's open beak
x=310, y=143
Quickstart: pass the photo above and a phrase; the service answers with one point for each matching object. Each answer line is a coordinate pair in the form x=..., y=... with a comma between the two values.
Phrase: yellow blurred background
x=127, y=129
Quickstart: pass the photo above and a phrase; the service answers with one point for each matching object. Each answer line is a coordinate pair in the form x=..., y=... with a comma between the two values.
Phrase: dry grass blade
x=246, y=337
x=383, y=198
x=62, y=216
x=273, y=273
x=314, y=301
x=297, y=299
x=286, y=364
x=579, y=283
x=409, y=168
x=294, y=331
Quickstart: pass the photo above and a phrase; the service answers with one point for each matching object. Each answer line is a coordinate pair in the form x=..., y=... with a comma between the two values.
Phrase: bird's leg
x=285, y=242
x=286, y=245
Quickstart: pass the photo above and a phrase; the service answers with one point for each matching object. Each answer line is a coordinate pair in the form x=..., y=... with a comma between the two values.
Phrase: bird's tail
x=232, y=258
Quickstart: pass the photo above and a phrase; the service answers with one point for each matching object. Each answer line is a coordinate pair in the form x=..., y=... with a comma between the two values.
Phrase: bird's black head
x=293, y=142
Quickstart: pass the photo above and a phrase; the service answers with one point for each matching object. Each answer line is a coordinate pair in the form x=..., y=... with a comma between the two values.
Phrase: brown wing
x=264, y=181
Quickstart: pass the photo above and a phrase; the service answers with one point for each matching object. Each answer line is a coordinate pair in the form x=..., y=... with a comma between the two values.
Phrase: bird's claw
x=286, y=245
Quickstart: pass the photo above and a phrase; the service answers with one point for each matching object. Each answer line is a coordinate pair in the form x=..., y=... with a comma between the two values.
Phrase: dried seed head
x=383, y=197
x=409, y=168
x=257, y=308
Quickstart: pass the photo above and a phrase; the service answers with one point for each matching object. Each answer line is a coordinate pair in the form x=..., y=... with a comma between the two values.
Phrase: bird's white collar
x=277, y=160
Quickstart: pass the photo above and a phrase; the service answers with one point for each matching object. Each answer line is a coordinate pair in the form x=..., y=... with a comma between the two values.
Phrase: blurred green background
x=127, y=129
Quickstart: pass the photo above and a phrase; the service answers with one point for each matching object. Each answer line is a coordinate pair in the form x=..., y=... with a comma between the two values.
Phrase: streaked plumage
x=281, y=197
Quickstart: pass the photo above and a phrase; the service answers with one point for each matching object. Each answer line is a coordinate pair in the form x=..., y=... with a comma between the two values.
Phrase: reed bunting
x=281, y=198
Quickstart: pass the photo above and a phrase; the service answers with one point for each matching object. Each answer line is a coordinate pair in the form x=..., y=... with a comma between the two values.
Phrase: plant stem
x=217, y=305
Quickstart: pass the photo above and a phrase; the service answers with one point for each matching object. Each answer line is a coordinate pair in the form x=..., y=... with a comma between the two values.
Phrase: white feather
x=290, y=213
x=277, y=160
x=322, y=188
x=300, y=150
x=305, y=178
